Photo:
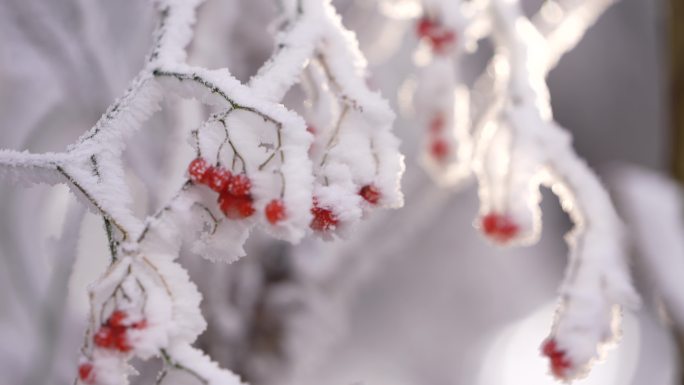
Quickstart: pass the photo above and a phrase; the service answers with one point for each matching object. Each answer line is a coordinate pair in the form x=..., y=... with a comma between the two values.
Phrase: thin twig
x=176, y=365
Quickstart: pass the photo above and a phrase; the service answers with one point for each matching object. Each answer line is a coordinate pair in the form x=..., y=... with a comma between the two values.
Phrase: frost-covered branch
x=513, y=147
x=252, y=168
x=354, y=154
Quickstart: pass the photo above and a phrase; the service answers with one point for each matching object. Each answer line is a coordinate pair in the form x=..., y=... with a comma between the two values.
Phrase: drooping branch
x=517, y=147
x=144, y=305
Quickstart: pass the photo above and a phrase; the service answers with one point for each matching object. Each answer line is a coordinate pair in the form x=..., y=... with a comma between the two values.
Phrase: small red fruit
x=218, y=179
x=499, y=227
x=236, y=207
x=560, y=364
x=323, y=219
x=121, y=342
x=370, y=193
x=104, y=337
x=275, y=211
x=440, y=37
x=425, y=27
x=117, y=318
x=239, y=185
x=197, y=170
x=442, y=41
x=244, y=206
x=85, y=373
x=439, y=149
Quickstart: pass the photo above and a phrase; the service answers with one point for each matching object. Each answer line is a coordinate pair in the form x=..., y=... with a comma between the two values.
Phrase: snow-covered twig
x=252, y=152
x=354, y=154
x=513, y=147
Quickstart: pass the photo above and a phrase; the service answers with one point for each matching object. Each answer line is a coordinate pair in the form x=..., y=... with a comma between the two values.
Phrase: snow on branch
x=355, y=156
x=563, y=23
x=513, y=146
x=256, y=164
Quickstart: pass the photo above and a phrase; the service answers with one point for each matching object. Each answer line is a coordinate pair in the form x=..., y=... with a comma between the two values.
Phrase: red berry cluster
x=498, y=227
x=440, y=37
x=114, y=333
x=86, y=373
x=439, y=148
x=560, y=364
x=323, y=218
x=235, y=197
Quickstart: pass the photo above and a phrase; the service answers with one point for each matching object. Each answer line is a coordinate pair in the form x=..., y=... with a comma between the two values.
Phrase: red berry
x=236, y=207
x=437, y=123
x=549, y=347
x=499, y=227
x=560, y=364
x=437, y=34
x=275, y=211
x=370, y=193
x=117, y=318
x=244, y=206
x=113, y=335
x=227, y=205
x=104, y=337
x=425, y=27
x=85, y=373
x=121, y=342
x=197, y=170
x=239, y=185
x=323, y=219
x=442, y=41
x=218, y=179
x=439, y=149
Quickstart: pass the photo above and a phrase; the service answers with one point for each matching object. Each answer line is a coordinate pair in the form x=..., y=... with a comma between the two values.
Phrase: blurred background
x=415, y=296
